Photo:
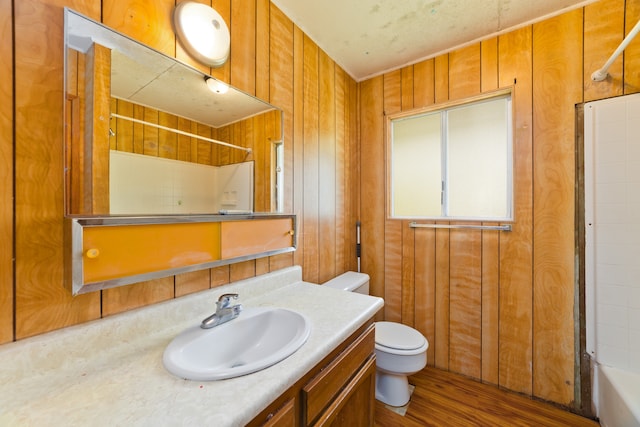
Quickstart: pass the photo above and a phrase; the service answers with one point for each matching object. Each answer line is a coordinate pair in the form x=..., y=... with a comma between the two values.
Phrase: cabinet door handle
x=92, y=253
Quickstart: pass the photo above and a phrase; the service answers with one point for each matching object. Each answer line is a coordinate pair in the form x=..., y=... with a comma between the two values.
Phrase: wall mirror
x=126, y=99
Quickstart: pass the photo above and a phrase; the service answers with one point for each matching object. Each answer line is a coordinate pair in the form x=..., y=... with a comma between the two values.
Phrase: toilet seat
x=397, y=338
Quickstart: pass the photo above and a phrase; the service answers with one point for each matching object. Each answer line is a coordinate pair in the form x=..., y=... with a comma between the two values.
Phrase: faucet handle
x=225, y=299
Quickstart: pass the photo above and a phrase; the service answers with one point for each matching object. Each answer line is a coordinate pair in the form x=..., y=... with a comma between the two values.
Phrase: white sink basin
x=257, y=339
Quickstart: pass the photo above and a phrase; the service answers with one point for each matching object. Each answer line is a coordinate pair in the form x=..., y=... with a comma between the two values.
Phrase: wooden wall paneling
x=557, y=86
x=490, y=256
x=342, y=226
x=183, y=143
x=393, y=270
x=204, y=150
x=298, y=142
x=97, y=107
x=372, y=179
x=353, y=166
x=310, y=221
x=279, y=261
x=124, y=298
x=281, y=91
x=408, y=309
x=425, y=288
x=221, y=153
x=263, y=44
x=243, y=45
x=442, y=298
x=424, y=83
x=79, y=188
x=464, y=72
x=326, y=168
x=124, y=128
x=220, y=275
x=273, y=130
x=194, y=281
x=490, y=295
x=441, y=78
x=281, y=94
x=392, y=228
x=242, y=270
x=262, y=266
x=113, y=125
x=465, y=302
x=632, y=52
x=167, y=141
x=516, y=256
x=262, y=203
x=406, y=87
x=6, y=173
x=489, y=65
x=138, y=129
x=147, y=21
x=41, y=301
x=151, y=133
x=603, y=32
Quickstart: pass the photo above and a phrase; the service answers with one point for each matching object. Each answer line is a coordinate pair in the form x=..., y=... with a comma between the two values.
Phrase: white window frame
x=440, y=109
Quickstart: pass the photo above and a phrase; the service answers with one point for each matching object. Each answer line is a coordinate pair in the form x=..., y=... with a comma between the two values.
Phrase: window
x=454, y=162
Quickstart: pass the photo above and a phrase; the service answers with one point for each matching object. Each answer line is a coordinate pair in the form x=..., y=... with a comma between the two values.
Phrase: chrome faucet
x=224, y=312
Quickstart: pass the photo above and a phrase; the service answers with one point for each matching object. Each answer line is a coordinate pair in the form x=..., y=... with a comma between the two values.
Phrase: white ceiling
x=369, y=37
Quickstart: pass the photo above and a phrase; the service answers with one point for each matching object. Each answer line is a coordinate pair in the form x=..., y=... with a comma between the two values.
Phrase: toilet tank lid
x=348, y=281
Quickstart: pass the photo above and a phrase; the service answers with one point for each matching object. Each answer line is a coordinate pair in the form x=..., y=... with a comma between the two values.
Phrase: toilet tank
x=350, y=281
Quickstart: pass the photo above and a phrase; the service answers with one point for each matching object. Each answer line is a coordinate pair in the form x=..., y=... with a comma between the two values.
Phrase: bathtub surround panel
x=612, y=222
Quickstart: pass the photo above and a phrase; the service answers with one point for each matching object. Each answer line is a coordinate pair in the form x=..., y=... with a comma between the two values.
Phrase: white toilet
x=400, y=350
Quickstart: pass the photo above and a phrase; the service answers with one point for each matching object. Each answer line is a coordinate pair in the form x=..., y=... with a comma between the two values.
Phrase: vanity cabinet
x=104, y=252
x=339, y=391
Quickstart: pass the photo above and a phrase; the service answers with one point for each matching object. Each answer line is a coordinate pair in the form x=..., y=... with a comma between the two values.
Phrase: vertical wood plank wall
x=498, y=306
x=495, y=306
x=6, y=173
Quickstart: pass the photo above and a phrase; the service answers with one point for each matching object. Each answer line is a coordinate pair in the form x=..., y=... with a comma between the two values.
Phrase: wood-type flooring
x=444, y=399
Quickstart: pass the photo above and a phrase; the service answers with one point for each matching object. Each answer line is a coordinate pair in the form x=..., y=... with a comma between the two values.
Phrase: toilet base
x=392, y=389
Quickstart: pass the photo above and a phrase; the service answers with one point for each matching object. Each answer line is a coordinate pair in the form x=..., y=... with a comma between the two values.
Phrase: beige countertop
x=109, y=372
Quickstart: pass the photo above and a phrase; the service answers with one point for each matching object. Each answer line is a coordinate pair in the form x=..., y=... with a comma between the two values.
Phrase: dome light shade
x=202, y=32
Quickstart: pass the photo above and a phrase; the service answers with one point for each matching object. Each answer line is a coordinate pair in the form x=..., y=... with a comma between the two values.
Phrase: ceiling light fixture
x=216, y=86
x=202, y=32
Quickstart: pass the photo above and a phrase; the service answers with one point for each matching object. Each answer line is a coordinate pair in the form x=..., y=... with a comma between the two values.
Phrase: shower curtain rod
x=506, y=227
x=603, y=72
x=192, y=135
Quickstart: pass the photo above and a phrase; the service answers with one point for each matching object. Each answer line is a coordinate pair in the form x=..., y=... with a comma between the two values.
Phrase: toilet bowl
x=400, y=350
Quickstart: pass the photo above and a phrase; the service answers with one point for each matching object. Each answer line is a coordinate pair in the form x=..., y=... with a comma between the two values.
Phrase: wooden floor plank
x=443, y=399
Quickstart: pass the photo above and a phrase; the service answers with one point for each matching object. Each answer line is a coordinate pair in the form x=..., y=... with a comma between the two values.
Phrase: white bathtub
x=618, y=397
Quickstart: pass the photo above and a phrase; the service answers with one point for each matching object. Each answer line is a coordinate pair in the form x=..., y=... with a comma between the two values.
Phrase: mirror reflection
x=145, y=134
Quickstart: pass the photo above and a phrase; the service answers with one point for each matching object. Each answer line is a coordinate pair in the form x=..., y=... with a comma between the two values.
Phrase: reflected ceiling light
x=202, y=32
x=216, y=86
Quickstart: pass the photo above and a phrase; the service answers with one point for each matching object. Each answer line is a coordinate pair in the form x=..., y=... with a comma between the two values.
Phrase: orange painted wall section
x=129, y=250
